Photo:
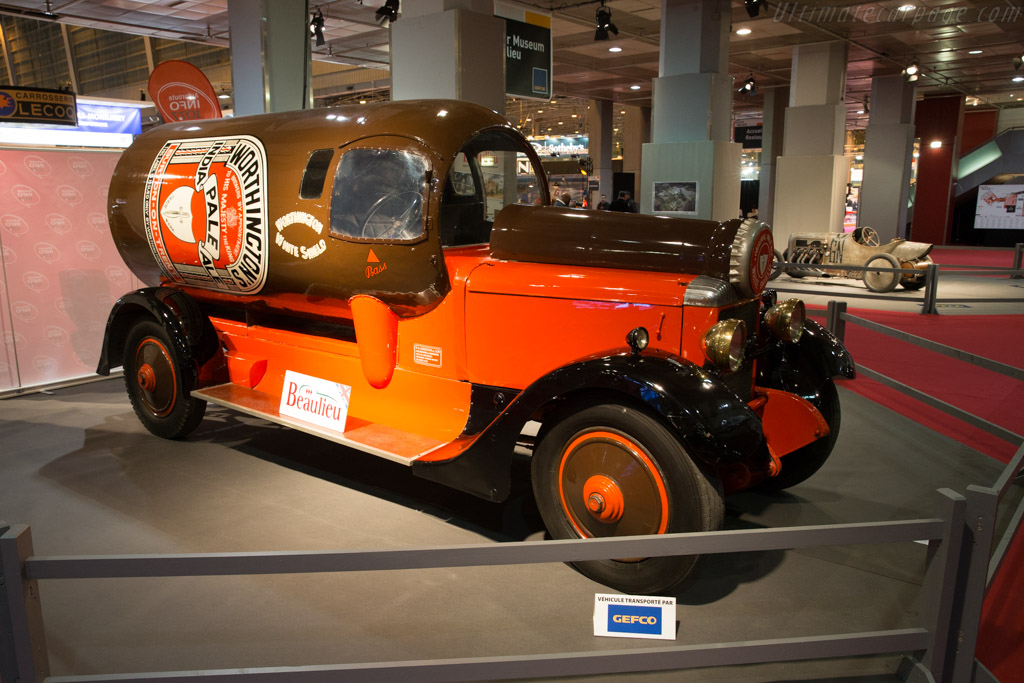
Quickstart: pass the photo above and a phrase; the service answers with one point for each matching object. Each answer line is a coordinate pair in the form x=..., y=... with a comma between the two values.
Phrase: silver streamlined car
x=858, y=248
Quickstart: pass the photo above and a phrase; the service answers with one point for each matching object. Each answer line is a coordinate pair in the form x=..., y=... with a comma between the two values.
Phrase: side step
x=380, y=440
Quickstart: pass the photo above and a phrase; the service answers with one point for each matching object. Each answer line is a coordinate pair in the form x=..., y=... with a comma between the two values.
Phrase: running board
x=376, y=439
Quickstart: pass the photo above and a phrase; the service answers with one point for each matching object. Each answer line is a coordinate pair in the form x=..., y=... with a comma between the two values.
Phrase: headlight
x=725, y=343
x=786, y=320
x=638, y=339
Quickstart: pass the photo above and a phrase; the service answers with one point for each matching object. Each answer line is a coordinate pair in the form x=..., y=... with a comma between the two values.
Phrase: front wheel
x=611, y=470
x=881, y=282
x=156, y=384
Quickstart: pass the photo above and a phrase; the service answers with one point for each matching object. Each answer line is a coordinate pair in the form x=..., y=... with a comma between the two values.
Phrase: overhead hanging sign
x=528, y=58
x=749, y=136
x=37, y=105
x=181, y=92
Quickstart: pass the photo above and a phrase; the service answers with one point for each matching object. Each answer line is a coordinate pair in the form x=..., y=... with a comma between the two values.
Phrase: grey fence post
x=1018, y=252
x=23, y=657
x=980, y=522
x=931, y=288
x=834, y=322
x=938, y=593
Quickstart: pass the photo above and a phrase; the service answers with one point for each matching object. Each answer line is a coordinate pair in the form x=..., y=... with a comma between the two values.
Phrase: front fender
x=712, y=422
x=805, y=367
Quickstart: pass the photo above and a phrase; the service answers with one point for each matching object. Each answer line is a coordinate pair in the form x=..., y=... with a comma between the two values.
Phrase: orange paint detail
x=637, y=452
x=372, y=257
x=147, y=378
x=789, y=422
x=400, y=404
x=377, y=337
x=696, y=322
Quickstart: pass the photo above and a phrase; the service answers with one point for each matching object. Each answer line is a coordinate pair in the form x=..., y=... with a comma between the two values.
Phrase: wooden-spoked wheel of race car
x=880, y=281
x=156, y=385
x=612, y=470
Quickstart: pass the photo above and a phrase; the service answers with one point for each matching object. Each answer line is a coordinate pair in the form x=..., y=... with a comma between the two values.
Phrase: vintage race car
x=857, y=248
x=390, y=277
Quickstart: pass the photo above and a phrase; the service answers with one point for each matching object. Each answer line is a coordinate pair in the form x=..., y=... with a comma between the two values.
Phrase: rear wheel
x=156, y=384
x=878, y=281
x=611, y=470
x=803, y=462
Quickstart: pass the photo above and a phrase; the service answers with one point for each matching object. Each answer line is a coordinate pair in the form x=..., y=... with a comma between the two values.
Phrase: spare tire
x=752, y=259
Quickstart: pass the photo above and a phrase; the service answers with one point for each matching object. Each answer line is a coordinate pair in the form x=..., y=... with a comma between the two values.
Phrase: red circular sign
x=762, y=257
x=181, y=92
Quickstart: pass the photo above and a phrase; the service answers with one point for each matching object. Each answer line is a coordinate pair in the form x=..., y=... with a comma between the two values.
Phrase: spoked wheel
x=878, y=281
x=803, y=462
x=156, y=385
x=614, y=471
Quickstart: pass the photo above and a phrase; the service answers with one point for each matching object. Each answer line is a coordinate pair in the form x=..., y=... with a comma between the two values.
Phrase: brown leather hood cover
x=606, y=239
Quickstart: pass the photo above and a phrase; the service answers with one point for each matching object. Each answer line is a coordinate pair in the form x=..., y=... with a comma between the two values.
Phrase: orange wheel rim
x=609, y=486
x=155, y=377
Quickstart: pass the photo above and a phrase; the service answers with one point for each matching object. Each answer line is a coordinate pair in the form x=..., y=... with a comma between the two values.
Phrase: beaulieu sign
x=181, y=92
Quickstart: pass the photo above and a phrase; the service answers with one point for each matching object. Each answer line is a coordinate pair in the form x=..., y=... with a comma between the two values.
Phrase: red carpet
x=986, y=394
x=989, y=257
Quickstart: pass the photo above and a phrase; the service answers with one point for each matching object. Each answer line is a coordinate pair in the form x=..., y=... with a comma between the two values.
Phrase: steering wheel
x=868, y=237
x=390, y=216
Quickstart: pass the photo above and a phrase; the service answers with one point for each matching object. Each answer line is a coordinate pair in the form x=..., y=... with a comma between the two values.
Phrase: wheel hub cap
x=604, y=498
x=147, y=378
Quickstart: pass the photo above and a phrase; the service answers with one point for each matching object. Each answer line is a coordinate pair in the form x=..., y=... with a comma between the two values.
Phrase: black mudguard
x=712, y=422
x=173, y=309
x=805, y=367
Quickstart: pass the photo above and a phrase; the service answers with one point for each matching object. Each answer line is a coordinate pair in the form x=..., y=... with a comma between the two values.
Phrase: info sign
x=527, y=52
x=999, y=207
x=37, y=105
x=634, y=616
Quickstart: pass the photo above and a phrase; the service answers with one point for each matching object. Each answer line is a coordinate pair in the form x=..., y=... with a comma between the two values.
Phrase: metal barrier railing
x=931, y=280
x=24, y=656
x=983, y=563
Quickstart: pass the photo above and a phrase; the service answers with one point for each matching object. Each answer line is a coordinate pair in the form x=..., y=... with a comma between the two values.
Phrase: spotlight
x=388, y=12
x=753, y=7
x=316, y=27
x=604, y=23
x=912, y=72
x=749, y=86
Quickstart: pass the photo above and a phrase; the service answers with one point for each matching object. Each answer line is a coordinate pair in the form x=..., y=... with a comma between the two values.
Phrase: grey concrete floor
x=80, y=469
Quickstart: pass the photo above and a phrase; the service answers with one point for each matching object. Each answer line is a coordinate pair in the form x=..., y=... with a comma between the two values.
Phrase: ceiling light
x=753, y=7
x=974, y=52
x=634, y=87
x=224, y=96
x=388, y=12
x=860, y=111
x=911, y=70
x=316, y=27
x=743, y=31
x=905, y=8
x=749, y=86
x=935, y=144
x=615, y=48
x=604, y=23
x=1017, y=79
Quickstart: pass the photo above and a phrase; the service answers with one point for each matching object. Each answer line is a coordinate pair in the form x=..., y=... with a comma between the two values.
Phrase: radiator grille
x=742, y=381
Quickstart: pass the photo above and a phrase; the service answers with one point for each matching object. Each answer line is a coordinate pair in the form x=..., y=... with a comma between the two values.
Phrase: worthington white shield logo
x=315, y=400
x=206, y=212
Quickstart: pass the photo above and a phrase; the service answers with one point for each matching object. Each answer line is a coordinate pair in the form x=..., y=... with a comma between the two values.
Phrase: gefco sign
x=635, y=616
x=37, y=105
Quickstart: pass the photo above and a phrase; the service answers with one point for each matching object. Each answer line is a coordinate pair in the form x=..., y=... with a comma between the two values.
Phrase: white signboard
x=634, y=616
x=315, y=400
x=1000, y=207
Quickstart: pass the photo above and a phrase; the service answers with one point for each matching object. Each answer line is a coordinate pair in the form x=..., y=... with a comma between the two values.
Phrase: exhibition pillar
x=600, y=124
x=452, y=49
x=772, y=134
x=938, y=121
x=636, y=133
x=888, y=150
x=692, y=106
x=271, y=62
x=810, y=189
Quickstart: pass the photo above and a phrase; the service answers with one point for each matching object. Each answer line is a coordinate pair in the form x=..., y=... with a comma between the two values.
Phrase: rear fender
x=712, y=423
x=190, y=331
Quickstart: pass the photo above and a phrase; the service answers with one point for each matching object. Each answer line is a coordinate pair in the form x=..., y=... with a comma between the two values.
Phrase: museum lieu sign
x=37, y=105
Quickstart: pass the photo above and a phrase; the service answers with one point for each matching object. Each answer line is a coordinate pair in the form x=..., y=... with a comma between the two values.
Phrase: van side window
x=316, y=172
x=378, y=195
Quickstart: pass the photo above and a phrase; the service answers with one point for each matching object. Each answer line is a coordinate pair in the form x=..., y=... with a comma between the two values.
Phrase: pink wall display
x=61, y=271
